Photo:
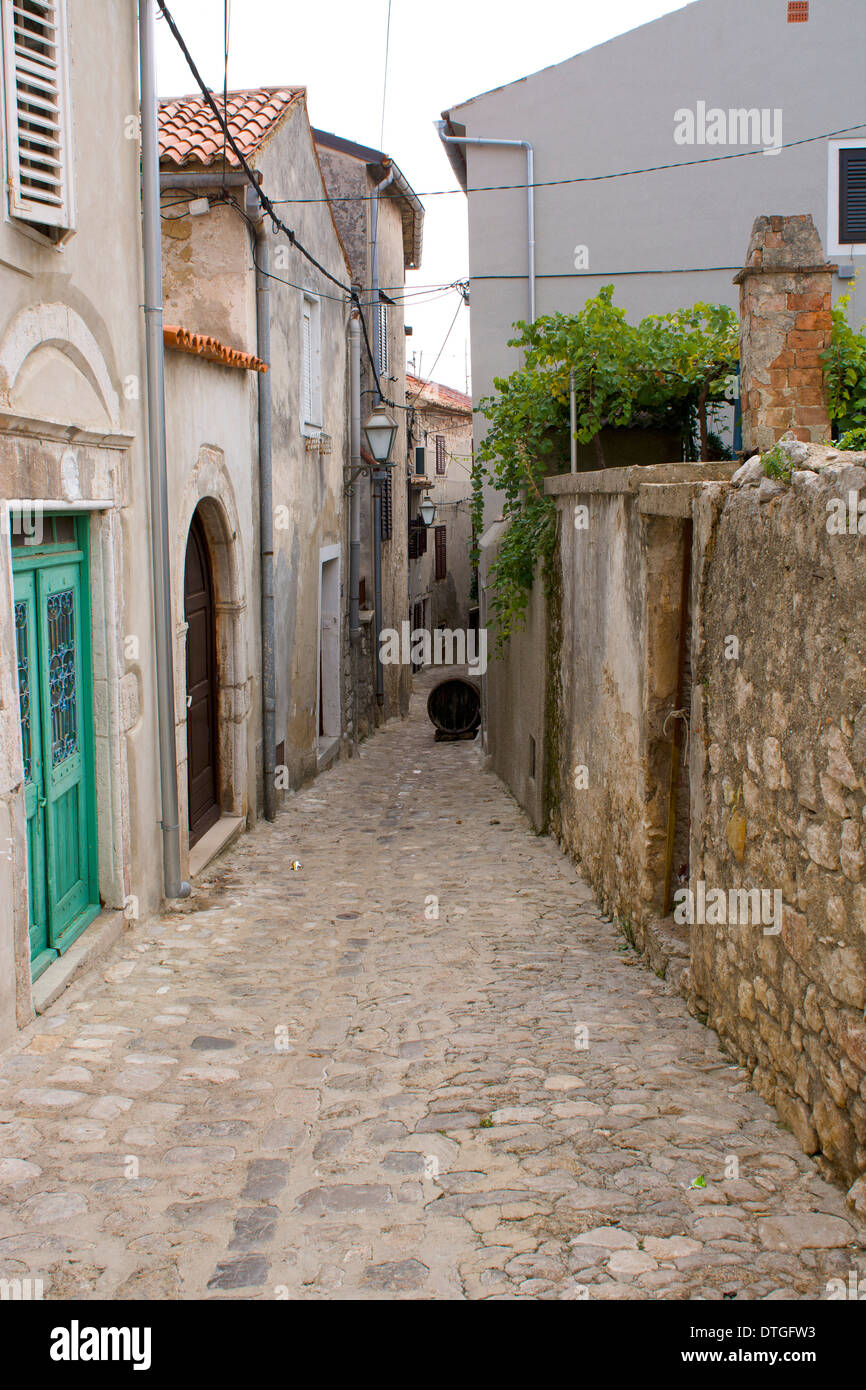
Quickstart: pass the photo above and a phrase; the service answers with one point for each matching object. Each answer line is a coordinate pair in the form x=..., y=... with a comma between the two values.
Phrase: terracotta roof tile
x=202, y=345
x=189, y=132
x=434, y=393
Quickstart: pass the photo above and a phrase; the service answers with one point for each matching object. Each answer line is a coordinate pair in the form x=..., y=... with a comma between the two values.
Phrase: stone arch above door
x=209, y=495
x=45, y=341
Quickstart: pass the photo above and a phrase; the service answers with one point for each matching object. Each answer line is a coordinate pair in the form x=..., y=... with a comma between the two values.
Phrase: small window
x=441, y=554
x=382, y=339
x=852, y=196
x=36, y=84
x=311, y=365
x=440, y=453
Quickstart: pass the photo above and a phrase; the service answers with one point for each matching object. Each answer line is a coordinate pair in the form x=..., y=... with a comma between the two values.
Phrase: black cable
x=438, y=355
x=264, y=200
x=587, y=178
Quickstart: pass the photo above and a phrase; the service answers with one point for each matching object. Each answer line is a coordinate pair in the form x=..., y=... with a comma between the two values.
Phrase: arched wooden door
x=201, y=685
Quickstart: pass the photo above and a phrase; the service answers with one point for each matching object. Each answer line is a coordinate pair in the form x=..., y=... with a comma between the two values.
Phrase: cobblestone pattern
x=302, y=1086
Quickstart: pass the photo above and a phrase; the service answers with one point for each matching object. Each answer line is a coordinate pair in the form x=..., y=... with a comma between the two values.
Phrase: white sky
x=440, y=54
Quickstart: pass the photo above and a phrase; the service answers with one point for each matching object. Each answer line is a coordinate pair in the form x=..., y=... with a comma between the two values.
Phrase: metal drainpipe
x=266, y=524
x=175, y=885
x=572, y=412
x=378, y=473
x=355, y=462
x=530, y=192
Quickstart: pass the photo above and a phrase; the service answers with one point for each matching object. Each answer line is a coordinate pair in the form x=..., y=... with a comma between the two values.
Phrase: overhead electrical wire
x=411, y=403
x=385, y=76
x=263, y=199
x=590, y=178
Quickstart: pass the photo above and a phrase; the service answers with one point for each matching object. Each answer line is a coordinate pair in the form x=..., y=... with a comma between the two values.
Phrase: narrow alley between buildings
x=390, y=1048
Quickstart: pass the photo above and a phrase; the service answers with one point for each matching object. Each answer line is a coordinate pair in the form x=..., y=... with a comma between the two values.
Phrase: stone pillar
x=785, y=324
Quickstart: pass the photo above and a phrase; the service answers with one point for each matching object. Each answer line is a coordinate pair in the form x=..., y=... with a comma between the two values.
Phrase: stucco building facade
x=681, y=98
x=78, y=779
x=382, y=233
x=440, y=450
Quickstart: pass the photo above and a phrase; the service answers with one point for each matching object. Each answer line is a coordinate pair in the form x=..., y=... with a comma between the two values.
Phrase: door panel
x=64, y=763
x=53, y=655
x=201, y=720
x=41, y=953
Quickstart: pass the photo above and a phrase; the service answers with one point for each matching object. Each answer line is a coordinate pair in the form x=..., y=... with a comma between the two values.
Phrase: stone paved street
x=302, y=1086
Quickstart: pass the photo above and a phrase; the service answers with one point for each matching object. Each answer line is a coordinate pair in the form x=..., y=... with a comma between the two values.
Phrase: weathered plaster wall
x=212, y=436
x=514, y=695
x=308, y=484
x=607, y=817
x=71, y=388
x=778, y=770
x=350, y=182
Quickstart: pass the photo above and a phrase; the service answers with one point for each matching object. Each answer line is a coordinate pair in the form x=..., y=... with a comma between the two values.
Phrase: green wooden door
x=34, y=791
x=54, y=659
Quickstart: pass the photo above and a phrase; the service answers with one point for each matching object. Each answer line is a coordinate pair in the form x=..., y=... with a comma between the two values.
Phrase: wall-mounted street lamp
x=380, y=432
x=427, y=511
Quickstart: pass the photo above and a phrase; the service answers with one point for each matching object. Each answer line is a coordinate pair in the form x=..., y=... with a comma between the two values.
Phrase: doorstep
x=213, y=842
x=92, y=945
x=328, y=751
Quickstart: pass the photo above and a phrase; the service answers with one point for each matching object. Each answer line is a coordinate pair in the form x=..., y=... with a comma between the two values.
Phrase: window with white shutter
x=382, y=339
x=308, y=362
x=311, y=366
x=36, y=81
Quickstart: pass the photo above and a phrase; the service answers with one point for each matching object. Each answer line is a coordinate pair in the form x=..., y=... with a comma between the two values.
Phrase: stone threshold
x=666, y=947
x=213, y=842
x=328, y=752
x=92, y=945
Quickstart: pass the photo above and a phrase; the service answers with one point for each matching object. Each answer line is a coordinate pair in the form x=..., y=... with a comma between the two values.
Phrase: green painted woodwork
x=52, y=616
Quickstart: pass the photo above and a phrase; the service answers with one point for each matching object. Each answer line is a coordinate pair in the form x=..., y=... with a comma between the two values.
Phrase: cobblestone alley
x=305, y=1084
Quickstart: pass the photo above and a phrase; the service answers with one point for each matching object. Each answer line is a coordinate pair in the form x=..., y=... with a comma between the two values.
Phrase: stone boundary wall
x=619, y=576
x=778, y=777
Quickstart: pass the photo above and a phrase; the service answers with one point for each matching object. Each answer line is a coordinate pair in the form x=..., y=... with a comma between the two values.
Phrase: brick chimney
x=785, y=324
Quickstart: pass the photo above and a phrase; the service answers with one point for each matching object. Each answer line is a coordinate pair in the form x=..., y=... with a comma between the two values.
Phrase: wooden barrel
x=454, y=706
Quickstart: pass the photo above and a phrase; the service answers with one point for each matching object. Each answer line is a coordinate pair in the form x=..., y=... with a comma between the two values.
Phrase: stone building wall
x=779, y=790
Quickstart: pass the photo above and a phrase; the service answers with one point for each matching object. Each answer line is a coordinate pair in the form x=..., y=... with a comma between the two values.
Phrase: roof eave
x=456, y=154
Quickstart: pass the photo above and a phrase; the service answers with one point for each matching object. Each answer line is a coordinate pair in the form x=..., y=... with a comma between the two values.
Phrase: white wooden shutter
x=308, y=363
x=37, y=111
x=382, y=335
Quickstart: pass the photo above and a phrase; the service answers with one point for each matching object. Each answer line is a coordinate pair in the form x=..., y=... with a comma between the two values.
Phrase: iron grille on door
x=852, y=197
x=37, y=112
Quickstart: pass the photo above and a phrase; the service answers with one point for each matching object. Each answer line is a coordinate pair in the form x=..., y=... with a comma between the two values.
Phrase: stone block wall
x=778, y=773
x=785, y=302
